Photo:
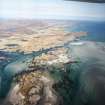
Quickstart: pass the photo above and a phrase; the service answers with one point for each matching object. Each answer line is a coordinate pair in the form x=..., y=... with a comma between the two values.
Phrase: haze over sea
x=90, y=50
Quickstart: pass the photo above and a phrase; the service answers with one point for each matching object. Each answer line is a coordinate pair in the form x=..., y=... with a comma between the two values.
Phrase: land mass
x=35, y=80
x=28, y=37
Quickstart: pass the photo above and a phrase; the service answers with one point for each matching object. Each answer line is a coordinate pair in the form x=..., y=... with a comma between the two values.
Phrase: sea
x=90, y=73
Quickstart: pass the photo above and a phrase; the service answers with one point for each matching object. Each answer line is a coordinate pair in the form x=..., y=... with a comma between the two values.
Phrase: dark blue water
x=91, y=78
x=95, y=30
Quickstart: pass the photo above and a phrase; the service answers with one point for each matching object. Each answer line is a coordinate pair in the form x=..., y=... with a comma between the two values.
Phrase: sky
x=51, y=9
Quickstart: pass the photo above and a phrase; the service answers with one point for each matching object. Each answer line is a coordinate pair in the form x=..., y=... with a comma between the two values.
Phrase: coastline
x=54, y=38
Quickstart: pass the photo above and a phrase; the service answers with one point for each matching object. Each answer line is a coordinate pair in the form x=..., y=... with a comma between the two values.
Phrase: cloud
x=92, y=1
x=57, y=9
